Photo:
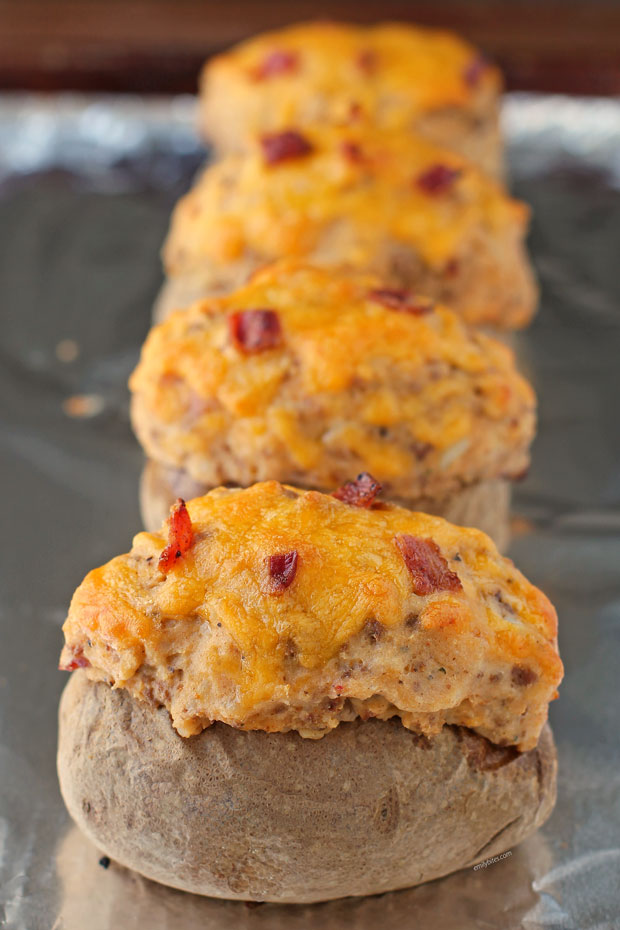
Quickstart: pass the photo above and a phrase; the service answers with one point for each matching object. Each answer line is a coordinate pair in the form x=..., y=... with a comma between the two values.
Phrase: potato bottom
x=485, y=505
x=369, y=808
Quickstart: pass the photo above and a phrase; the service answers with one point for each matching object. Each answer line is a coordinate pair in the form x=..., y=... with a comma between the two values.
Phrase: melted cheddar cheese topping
x=346, y=634
x=410, y=394
x=337, y=208
x=390, y=73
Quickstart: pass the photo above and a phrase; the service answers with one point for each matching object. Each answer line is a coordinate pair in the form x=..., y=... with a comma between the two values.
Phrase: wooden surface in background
x=157, y=46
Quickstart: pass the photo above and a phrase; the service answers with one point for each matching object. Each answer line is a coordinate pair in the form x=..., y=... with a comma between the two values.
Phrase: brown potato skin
x=485, y=505
x=369, y=808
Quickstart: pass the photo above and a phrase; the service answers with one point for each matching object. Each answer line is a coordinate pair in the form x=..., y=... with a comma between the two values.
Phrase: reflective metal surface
x=85, y=192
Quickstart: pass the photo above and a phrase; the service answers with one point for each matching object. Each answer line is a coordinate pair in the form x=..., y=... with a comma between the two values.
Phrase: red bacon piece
x=437, y=180
x=180, y=536
x=277, y=62
x=359, y=493
x=367, y=61
x=428, y=568
x=79, y=660
x=401, y=301
x=255, y=330
x=282, y=570
x=284, y=146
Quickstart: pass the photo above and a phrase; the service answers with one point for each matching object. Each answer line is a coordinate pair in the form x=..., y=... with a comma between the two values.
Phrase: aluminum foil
x=86, y=186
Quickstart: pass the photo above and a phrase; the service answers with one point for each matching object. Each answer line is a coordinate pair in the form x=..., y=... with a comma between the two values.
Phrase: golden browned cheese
x=356, y=629
x=390, y=202
x=393, y=75
x=408, y=393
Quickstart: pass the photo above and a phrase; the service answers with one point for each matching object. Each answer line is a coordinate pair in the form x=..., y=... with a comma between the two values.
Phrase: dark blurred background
x=157, y=46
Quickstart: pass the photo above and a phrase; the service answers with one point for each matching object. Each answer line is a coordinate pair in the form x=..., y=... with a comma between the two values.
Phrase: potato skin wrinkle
x=273, y=817
x=348, y=637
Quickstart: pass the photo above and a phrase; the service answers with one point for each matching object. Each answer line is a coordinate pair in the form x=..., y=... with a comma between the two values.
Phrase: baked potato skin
x=272, y=817
x=485, y=505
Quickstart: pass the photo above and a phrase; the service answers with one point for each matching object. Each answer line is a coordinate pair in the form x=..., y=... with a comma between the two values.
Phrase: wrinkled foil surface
x=86, y=187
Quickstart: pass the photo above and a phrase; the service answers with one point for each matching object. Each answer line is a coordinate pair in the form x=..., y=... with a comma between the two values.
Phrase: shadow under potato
x=98, y=898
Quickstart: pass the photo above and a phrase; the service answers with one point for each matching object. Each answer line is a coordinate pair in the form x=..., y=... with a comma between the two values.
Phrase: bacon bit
x=338, y=689
x=282, y=570
x=255, y=330
x=180, y=536
x=79, y=660
x=283, y=146
x=474, y=70
x=429, y=570
x=401, y=301
x=438, y=179
x=359, y=493
x=279, y=61
x=352, y=152
x=367, y=61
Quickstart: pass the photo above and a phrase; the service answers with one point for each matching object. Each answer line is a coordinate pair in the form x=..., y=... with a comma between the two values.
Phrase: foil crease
x=86, y=187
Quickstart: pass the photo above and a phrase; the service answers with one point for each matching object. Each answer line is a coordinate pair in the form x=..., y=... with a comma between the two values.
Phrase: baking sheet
x=86, y=186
